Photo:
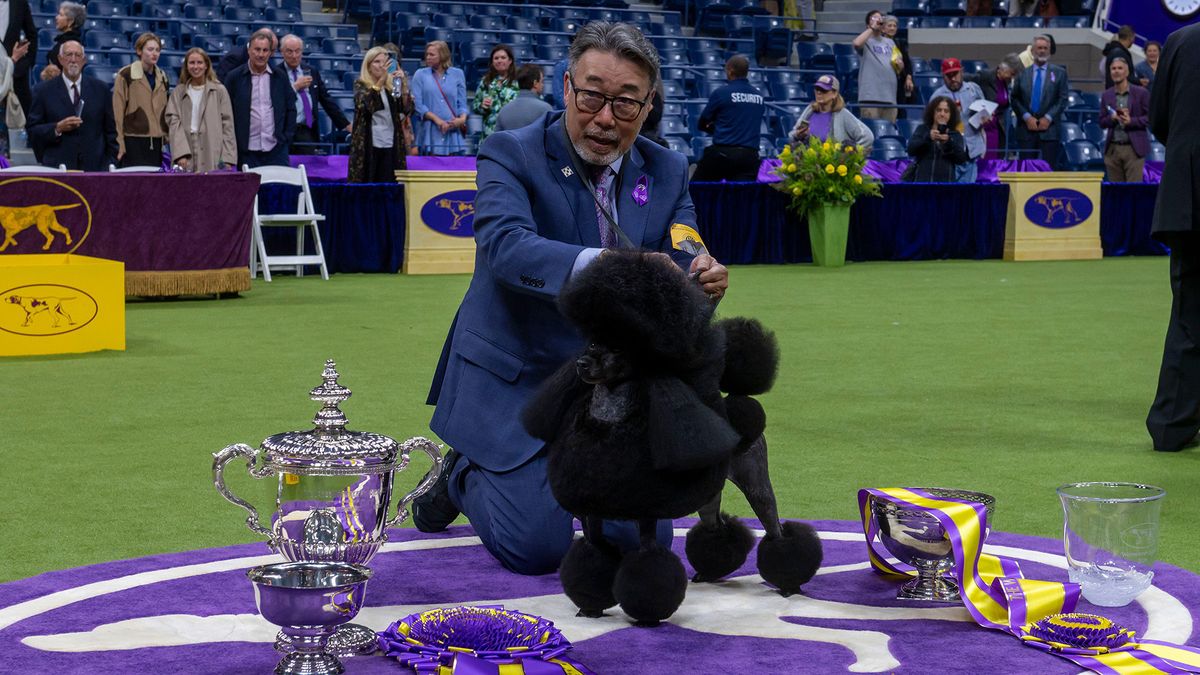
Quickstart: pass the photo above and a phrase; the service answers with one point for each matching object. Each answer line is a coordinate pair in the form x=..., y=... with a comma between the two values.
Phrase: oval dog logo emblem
x=42, y=215
x=1059, y=208
x=451, y=213
x=38, y=310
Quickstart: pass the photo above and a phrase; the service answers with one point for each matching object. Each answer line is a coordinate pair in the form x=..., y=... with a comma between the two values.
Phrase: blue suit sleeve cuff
x=585, y=257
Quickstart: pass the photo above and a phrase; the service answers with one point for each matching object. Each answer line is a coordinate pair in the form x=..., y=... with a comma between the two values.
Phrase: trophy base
x=930, y=589
x=309, y=664
x=350, y=639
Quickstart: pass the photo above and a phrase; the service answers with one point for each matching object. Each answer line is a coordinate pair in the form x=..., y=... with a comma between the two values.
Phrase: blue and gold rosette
x=479, y=640
x=1039, y=613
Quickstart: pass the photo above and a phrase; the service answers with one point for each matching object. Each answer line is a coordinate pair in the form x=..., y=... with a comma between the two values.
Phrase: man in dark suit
x=1174, y=417
x=264, y=108
x=310, y=90
x=71, y=119
x=240, y=54
x=22, y=51
x=536, y=223
x=1039, y=99
x=1125, y=112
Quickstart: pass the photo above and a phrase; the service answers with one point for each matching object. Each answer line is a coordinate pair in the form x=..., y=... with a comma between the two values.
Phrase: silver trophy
x=917, y=538
x=308, y=600
x=333, y=492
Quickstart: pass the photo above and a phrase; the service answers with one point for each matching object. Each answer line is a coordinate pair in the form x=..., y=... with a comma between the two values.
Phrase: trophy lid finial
x=330, y=417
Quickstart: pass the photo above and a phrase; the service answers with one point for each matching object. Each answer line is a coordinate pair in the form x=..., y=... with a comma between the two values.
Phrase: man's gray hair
x=621, y=39
x=75, y=13
x=1013, y=63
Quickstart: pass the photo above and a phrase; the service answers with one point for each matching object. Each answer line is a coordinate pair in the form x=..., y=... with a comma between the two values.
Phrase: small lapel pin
x=567, y=171
x=641, y=193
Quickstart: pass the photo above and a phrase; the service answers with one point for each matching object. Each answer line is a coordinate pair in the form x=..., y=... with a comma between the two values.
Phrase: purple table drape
x=334, y=169
x=891, y=170
x=172, y=240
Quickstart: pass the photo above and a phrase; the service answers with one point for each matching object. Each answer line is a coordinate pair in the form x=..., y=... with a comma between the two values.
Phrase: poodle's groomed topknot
x=640, y=303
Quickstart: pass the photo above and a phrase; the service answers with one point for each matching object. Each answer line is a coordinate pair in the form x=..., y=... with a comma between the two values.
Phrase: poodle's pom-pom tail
x=717, y=549
x=751, y=357
x=650, y=584
x=587, y=574
x=747, y=417
x=789, y=561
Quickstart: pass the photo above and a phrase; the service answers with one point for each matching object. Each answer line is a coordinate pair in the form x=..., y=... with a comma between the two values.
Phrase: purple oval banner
x=451, y=213
x=1058, y=208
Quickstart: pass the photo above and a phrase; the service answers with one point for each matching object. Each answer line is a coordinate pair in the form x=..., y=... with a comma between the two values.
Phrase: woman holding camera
x=381, y=102
x=937, y=147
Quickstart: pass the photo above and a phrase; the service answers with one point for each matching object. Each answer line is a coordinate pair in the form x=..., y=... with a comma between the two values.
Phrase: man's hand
x=1031, y=124
x=67, y=124
x=1123, y=116
x=183, y=162
x=20, y=50
x=50, y=72
x=714, y=278
x=302, y=82
x=1043, y=123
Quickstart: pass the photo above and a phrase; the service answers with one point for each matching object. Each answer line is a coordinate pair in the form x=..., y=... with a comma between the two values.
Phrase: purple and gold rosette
x=1039, y=613
x=479, y=640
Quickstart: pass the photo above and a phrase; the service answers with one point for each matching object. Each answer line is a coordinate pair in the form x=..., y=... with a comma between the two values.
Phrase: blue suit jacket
x=1053, y=103
x=532, y=220
x=283, y=105
x=91, y=147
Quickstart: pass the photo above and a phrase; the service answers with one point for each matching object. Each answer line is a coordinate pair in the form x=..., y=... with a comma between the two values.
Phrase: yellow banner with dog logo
x=60, y=304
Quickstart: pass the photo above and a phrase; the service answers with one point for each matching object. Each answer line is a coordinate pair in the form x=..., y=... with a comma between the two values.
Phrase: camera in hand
x=943, y=129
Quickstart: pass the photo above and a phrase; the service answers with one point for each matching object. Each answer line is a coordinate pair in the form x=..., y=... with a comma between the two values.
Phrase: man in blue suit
x=264, y=107
x=543, y=191
x=71, y=119
x=1039, y=100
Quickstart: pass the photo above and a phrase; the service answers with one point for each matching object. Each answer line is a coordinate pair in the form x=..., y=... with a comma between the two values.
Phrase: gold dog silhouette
x=17, y=219
x=35, y=306
x=459, y=209
x=1055, y=205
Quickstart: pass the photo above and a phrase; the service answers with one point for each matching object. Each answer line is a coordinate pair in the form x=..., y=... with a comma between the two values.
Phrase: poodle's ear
x=684, y=433
x=543, y=415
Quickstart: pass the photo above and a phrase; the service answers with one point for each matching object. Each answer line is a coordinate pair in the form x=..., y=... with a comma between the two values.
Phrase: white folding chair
x=304, y=217
x=36, y=168
x=113, y=168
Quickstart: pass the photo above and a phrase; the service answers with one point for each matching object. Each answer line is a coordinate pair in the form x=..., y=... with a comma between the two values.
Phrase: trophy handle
x=220, y=459
x=430, y=478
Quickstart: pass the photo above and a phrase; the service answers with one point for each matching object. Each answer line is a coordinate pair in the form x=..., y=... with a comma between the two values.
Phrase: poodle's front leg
x=749, y=473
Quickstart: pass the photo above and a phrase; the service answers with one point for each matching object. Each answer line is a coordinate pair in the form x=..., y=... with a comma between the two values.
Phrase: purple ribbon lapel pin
x=641, y=191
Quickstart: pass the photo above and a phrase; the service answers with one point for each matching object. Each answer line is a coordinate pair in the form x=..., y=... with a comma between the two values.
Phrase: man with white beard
x=71, y=121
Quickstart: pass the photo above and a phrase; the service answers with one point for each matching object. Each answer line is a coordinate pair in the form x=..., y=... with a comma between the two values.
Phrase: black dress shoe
x=1195, y=441
x=433, y=511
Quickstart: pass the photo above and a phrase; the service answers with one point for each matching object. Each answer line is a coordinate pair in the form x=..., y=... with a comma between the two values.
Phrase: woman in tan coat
x=139, y=102
x=200, y=119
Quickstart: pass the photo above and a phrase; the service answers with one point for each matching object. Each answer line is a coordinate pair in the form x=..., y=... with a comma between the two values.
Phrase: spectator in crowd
x=440, y=95
x=310, y=90
x=995, y=85
x=877, y=70
x=1172, y=420
x=528, y=106
x=71, y=119
x=1026, y=56
x=979, y=7
x=69, y=24
x=497, y=87
x=528, y=224
x=904, y=81
x=1046, y=8
x=1118, y=48
x=1125, y=112
x=381, y=102
x=240, y=55
x=937, y=148
x=19, y=37
x=264, y=107
x=139, y=98
x=734, y=117
x=964, y=94
x=200, y=118
x=827, y=118
x=410, y=146
x=1039, y=99
x=1145, y=71
x=6, y=79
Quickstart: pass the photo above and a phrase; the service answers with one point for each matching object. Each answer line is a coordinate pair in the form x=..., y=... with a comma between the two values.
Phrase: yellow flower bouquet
x=823, y=173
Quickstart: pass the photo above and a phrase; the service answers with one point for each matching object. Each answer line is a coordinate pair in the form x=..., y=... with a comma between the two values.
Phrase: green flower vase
x=828, y=228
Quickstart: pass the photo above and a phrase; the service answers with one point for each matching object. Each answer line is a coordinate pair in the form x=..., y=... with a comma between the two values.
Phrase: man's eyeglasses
x=592, y=102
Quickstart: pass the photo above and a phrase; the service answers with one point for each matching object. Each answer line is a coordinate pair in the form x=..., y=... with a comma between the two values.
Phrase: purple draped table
x=172, y=235
x=891, y=170
x=333, y=168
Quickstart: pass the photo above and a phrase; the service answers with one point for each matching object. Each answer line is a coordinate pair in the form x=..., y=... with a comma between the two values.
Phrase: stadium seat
x=1070, y=22
x=673, y=126
x=213, y=44
x=1024, y=22
x=681, y=145
x=235, y=13
x=947, y=7
x=100, y=8
x=281, y=15
x=1094, y=133
x=982, y=22
x=105, y=40
x=909, y=8
x=1070, y=131
x=340, y=46
x=844, y=48
x=788, y=91
x=1158, y=152
x=906, y=126
x=974, y=66
x=888, y=148
x=449, y=21
x=672, y=90
x=940, y=22
x=814, y=54
x=521, y=23
x=846, y=65
x=699, y=143
x=1081, y=155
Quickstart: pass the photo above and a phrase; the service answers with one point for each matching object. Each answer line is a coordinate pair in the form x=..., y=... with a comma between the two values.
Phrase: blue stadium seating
x=947, y=7
x=882, y=128
x=1070, y=22
x=982, y=22
x=814, y=54
x=906, y=126
x=846, y=65
x=1070, y=131
x=909, y=8
x=889, y=148
x=1081, y=155
x=1025, y=22
x=1095, y=133
x=1158, y=152
x=940, y=22
x=681, y=145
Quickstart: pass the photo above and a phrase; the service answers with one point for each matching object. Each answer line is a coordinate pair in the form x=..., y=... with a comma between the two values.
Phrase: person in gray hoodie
x=827, y=118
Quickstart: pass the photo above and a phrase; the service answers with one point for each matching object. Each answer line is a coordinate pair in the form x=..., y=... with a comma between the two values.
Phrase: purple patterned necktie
x=602, y=179
x=305, y=103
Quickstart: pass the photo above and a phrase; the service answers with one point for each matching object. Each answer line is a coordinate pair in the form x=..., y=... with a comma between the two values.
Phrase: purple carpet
x=194, y=612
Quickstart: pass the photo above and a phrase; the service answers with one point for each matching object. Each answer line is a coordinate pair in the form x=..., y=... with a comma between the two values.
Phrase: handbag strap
x=449, y=106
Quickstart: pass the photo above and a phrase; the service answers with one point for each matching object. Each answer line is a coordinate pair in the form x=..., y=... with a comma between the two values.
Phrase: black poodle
x=637, y=429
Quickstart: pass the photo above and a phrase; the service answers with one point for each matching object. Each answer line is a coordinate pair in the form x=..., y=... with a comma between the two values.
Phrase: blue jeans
x=967, y=173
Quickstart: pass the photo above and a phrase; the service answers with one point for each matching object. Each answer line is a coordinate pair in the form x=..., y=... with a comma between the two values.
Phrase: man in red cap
x=965, y=94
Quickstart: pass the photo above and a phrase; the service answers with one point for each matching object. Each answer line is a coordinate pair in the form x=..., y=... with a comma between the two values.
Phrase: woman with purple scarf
x=996, y=86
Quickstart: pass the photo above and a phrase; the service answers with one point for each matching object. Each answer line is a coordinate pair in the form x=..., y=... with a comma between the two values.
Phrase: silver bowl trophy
x=308, y=600
x=917, y=538
x=333, y=493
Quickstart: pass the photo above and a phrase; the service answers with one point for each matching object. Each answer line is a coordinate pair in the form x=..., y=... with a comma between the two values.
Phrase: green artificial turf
x=1010, y=378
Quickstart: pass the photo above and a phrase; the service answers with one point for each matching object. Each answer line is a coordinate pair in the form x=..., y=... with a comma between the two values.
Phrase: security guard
x=734, y=117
